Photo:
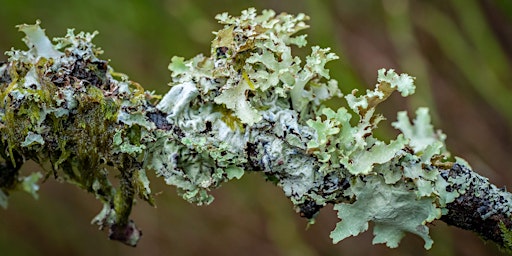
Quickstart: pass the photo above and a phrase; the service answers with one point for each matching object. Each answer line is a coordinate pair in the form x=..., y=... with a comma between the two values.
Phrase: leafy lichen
x=249, y=106
x=295, y=140
x=62, y=108
x=249, y=80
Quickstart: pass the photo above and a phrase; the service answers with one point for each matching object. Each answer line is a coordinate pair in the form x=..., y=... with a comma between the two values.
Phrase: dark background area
x=460, y=51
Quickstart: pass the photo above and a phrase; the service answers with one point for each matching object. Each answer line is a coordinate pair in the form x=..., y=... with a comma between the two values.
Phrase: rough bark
x=484, y=208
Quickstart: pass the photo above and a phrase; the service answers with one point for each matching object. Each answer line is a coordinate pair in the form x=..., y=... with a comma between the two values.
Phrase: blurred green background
x=460, y=51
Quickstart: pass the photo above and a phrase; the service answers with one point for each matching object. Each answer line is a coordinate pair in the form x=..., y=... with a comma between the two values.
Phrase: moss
x=506, y=234
x=231, y=120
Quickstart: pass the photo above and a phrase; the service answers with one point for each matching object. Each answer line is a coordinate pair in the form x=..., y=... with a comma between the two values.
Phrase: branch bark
x=483, y=208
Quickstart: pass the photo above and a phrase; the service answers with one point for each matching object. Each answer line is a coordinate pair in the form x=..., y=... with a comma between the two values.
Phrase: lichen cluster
x=245, y=106
x=66, y=109
x=249, y=106
x=263, y=105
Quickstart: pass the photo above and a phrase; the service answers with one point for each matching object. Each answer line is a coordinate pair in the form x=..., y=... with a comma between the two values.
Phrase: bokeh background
x=460, y=51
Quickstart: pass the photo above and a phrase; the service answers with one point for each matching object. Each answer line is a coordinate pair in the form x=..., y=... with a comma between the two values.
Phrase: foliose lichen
x=281, y=127
x=249, y=106
x=233, y=107
x=62, y=107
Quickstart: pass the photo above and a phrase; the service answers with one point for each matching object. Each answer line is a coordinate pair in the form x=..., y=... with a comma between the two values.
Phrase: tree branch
x=481, y=206
x=250, y=106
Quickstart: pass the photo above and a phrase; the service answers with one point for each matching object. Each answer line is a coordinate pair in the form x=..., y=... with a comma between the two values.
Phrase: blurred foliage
x=460, y=52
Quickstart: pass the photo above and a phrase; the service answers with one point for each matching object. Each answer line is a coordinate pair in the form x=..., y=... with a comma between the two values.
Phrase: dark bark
x=483, y=208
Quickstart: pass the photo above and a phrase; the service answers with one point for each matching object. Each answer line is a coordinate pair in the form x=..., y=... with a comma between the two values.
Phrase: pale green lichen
x=32, y=138
x=38, y=43
x=394, y=210
x=219, y=101
x=295, y=141
x=421, y=134
x=388, y=81
x=29, y=184
x=250, y=106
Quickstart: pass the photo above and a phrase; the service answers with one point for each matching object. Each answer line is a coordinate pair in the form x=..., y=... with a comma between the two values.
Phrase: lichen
x=249, y=106
x=292, y=138
x=62, y=108
x=227, y=101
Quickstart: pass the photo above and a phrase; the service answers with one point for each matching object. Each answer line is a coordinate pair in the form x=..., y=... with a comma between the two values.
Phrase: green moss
x=231, y=120
x=506, y=234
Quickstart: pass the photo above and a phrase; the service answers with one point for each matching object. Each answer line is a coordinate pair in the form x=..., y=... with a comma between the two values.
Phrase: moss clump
x=506, y=234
